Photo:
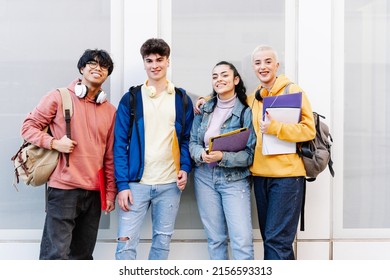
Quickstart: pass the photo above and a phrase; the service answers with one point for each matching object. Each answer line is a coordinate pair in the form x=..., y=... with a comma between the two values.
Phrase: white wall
x=311, y=61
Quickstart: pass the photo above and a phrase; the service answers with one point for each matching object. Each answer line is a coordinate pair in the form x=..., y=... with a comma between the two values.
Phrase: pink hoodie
x=92, y=127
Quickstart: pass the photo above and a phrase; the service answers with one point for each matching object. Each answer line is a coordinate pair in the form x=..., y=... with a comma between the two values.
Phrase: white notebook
x=271, y=144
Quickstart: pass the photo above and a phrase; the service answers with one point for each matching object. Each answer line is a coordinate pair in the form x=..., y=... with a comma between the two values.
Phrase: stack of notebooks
x=286, y=109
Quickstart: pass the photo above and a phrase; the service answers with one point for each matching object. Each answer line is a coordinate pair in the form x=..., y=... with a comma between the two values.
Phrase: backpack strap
x=287, y=88
x=302, y=227
x=66, y=108
x=68, y=112
x=132, y=104
x=66, y=101
x=330, y=165
x=242, y=116
x=185, y=104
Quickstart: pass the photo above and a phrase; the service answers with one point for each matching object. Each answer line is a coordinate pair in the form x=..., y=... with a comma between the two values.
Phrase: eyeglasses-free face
x=94, y=64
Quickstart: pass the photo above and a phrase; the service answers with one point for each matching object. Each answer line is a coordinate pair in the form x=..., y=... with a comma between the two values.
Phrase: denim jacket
x=234, y=165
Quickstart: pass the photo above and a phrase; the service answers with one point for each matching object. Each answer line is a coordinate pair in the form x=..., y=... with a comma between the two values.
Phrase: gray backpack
x=316, y=153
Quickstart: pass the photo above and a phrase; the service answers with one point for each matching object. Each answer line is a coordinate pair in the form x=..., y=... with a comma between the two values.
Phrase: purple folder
x=233, y=141
x=284, y=103
x=291, y=100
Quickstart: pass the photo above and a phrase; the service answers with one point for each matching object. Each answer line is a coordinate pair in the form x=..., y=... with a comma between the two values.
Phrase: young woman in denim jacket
x=223, y=192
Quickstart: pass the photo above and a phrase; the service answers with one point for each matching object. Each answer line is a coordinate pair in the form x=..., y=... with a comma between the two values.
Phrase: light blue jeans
x=164, y=201
x=225, y=209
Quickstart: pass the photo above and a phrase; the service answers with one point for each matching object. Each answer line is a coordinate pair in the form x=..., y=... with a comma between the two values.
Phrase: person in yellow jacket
x=278, y=179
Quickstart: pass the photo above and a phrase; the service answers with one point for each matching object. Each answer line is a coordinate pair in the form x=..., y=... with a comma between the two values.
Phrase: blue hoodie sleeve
x=121, y=151
x=185, y=157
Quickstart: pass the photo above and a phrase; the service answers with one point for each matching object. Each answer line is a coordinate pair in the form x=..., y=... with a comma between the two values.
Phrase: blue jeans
x=279, y=202
x=225, y=207
x=71, y=225
x=164, y=201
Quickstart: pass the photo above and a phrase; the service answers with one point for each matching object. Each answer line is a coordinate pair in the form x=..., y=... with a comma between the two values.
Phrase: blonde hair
x=265, y=48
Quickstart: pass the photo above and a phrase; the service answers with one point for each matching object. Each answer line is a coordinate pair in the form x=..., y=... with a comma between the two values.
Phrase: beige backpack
x=34, y=165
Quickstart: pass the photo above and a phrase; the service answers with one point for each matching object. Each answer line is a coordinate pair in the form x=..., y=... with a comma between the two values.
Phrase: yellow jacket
x=284, y=165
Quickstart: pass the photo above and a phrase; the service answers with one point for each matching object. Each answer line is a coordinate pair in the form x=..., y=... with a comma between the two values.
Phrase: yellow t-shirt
x=159, y=119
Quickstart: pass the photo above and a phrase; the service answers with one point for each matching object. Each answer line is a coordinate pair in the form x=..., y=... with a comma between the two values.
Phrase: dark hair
x=100, y=56
x=155, y=46
x=239, y=88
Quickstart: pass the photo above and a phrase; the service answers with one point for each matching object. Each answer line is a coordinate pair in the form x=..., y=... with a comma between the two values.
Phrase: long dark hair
x=239, y=88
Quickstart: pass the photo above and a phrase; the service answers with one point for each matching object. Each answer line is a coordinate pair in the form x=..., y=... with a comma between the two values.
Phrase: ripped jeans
x=164, y=201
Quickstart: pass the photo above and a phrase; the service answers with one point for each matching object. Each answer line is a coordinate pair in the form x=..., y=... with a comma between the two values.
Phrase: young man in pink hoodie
x=73, y=205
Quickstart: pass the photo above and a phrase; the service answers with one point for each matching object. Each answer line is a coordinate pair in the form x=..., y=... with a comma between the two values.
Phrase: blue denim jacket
x=234, y=165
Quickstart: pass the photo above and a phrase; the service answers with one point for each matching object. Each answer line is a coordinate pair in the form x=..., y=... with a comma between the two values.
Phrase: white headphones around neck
x=151, y=90
x=82, y=90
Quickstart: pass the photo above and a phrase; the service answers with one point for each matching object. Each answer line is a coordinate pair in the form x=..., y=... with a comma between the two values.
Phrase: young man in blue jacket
x=151, y=154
